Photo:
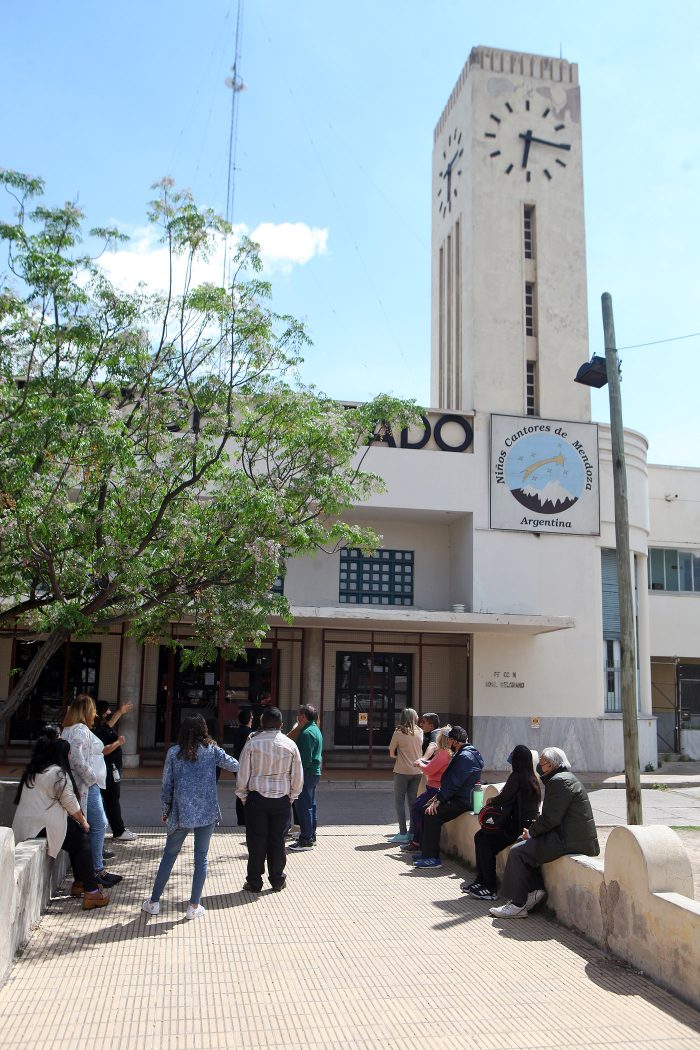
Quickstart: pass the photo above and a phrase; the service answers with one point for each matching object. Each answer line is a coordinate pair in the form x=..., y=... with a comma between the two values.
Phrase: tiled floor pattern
x=359, y=951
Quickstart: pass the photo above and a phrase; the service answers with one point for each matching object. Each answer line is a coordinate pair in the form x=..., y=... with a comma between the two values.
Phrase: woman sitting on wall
x=90, y=772
x=432, y=769
x=47, y=805
x=520, y=798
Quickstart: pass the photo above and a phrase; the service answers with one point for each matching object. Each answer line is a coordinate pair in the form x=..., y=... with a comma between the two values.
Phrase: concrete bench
x=28, y=880
x=637, y=902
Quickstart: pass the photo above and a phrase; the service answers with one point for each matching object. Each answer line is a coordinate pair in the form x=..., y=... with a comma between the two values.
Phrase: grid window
x=530, y=388
x=530, y=308
x=278, y=585
x=529, y=231
x=673, y=570
x=383, y=578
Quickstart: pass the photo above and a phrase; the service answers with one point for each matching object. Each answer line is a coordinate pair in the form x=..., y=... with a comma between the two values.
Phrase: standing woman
x=521, y=796
x=87, y=764
x=189, y=803
x=406, y=747
x=106, y=721
x=432, y=769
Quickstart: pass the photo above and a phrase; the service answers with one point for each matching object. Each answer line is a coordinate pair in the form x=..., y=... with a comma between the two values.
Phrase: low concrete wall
x=637, y=904
x=28, y=878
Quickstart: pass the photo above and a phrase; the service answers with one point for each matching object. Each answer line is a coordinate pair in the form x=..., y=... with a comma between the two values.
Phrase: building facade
x=493, y=599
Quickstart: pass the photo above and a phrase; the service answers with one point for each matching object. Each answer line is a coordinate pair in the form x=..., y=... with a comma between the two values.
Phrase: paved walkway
x=360, y=950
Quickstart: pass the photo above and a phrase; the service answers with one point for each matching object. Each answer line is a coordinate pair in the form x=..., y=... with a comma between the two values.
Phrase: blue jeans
x=173, y=845
x=98, y=824
x=306, y=807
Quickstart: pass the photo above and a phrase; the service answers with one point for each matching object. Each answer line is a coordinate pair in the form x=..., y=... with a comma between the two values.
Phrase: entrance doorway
x=371, y=691
x=73, y=669
x=216, y=690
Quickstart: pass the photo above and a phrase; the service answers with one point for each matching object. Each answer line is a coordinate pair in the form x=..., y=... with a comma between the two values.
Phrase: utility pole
x=624, y=573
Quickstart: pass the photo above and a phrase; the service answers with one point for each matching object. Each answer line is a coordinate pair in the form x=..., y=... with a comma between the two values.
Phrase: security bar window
x=384, y=578
x=529, y=231
x=531, y=388
x=530, y=308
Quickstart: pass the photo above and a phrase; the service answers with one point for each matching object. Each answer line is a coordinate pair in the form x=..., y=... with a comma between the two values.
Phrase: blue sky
x=334, y=158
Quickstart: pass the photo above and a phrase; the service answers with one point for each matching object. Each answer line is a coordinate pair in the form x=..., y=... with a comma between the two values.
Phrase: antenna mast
x=236, y=85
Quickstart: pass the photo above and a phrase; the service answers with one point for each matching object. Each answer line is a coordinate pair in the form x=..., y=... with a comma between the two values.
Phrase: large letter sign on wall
x=544, y=476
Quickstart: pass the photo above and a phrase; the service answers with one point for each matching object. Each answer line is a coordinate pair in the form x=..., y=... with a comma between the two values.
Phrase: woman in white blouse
x=47, y=804
x=90, y=772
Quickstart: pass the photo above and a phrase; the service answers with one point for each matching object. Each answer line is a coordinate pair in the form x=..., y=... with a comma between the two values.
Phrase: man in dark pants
x=310, y=744
x=270, y=778
x=240, y=734
x=453, y=798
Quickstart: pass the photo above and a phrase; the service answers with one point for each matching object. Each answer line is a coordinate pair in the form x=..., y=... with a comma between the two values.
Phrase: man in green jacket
x=565, y=825
x=310, y=744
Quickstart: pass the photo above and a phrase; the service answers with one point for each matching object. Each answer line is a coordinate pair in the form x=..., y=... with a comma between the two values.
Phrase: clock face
x=450, y=172
x=527, y=140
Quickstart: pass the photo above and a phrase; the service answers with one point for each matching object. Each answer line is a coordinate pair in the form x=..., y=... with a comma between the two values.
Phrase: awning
x=374, y=618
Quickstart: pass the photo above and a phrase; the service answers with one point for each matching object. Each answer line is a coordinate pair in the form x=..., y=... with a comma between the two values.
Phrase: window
x=384, y=578
x=529, y=231
x=673, y=570
x=530, y=308
x=613, y=694
x=530, y=388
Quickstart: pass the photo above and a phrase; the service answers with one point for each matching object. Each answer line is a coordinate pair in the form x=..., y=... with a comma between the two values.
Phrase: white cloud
x=284, y=244
x=144, y=261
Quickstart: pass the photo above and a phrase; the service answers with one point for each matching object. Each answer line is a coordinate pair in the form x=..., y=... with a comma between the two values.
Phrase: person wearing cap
x=565, y=825
x=453, y=798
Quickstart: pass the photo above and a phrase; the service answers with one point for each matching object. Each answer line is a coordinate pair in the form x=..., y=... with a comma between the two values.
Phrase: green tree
x=159, y=459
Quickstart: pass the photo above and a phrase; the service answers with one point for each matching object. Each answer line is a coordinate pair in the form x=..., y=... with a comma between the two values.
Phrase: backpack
x=493, y=817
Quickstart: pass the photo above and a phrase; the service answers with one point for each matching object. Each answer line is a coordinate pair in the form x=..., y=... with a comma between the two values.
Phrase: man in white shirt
x=269, y=779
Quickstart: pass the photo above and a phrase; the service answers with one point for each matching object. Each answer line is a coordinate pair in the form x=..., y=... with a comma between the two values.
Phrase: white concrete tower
x=509, y=310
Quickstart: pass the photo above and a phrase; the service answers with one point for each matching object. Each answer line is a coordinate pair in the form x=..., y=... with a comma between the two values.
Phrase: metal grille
x=384, y=578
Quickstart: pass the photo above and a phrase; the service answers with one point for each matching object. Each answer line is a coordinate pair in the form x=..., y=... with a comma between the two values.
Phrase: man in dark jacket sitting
x=565, y=825
x=453, y=798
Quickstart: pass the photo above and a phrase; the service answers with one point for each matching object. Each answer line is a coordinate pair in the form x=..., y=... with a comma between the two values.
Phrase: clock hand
x=526, y=150
x=529, y=137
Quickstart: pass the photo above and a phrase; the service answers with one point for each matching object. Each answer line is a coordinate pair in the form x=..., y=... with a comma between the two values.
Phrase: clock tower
x=509, y=309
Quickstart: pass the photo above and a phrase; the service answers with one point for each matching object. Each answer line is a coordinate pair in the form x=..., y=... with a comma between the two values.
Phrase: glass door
x=371, y=691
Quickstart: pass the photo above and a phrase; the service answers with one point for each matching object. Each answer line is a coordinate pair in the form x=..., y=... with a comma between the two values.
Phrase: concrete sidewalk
x=361, y=950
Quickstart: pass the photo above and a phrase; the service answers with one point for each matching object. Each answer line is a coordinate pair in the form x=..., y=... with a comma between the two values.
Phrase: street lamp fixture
x=596, y=373
x=593, y=373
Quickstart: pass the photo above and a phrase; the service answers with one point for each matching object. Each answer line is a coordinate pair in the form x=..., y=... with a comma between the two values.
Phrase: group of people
x=72, y=781
x=71, y=788
x=536, y=830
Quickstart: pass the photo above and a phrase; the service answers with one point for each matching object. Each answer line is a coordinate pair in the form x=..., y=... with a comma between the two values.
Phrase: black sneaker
x=107, y=854
x=467, y=887
x=277, y=886
x=300, y=845
x=108, y=878
x=252, y=889
x=483, y=893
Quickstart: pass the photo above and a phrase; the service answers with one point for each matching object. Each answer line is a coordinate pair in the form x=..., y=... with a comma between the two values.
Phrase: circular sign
x=544, y=473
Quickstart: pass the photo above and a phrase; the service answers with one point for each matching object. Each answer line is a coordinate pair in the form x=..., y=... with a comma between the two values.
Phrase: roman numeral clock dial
x=527, y=140
x=450, y=172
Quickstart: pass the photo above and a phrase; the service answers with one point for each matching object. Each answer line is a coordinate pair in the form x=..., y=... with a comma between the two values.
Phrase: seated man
x=565, y=825
x=453, y=798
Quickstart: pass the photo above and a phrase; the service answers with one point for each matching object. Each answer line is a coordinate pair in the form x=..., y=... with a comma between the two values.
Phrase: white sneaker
x=151, y=907
x=509, y=911
x=195, y=911
x=126, y=836
x=534, y=898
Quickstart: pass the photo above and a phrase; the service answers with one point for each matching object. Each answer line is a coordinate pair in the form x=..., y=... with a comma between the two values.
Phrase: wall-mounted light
x=671, y=496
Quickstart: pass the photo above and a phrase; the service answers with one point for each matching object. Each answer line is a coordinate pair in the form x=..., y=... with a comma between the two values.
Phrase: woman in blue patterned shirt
x=189, y=800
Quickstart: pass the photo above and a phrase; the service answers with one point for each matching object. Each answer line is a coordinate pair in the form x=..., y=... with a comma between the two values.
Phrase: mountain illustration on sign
x=544, y=474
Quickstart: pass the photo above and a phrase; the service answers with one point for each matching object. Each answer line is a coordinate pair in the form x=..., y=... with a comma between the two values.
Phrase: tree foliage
x=159, y=460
